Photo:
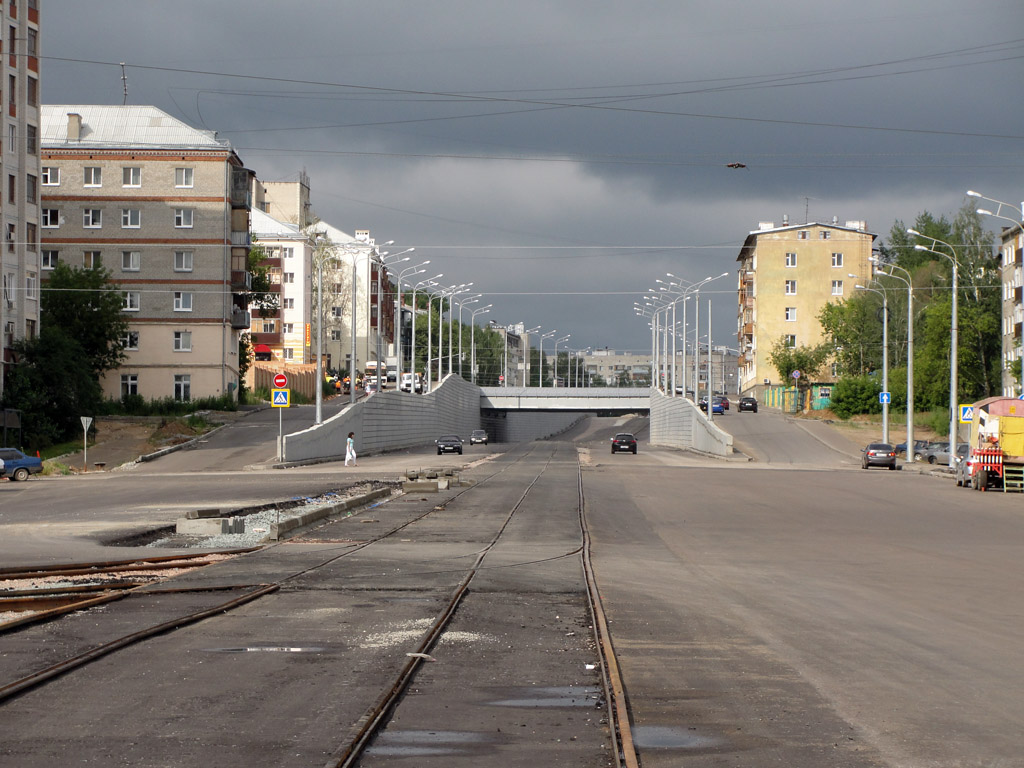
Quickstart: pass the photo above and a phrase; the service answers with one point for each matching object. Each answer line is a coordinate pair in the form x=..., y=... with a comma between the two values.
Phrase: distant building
x=19, y=212
x=165, y=207
x=786, y=276
x=618, y=368
x=1012, y=261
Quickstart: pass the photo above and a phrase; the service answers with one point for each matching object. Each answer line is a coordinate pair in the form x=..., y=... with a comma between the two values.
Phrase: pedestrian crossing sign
x=966, y=414
x=279, y=398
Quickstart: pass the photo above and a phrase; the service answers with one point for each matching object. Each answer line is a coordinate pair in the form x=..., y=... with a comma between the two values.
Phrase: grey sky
x=514, y=144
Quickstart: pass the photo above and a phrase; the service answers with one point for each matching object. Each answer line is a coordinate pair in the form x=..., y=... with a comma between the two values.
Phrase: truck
x=996, y=446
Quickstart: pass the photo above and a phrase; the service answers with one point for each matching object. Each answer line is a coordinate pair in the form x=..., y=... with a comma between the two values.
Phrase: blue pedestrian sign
x=966, y=414
x=279, y=398
x=885, y=397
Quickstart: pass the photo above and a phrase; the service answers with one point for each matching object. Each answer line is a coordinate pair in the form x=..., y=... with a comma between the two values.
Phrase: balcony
x=1018, y=295
x=270, y=339
x=748, y=329
x=240, y=320
x=1017, y=330
x=241, y=280
x=241, y=238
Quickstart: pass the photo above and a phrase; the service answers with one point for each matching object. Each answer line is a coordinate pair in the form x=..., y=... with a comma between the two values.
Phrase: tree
x=260, y=294
x=807, y=360
x=88, y=307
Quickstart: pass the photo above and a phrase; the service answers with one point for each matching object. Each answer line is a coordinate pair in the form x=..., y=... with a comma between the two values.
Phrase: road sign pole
x=86, y=421
x=280, y=434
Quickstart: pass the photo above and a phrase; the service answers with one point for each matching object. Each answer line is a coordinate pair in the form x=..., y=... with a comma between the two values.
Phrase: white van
x=411, y=382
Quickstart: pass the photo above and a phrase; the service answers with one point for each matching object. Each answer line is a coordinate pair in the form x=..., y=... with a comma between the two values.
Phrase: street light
x=540, y=375
x=953, y=362
x=472, y=339
x=464, y=288
x=885, y=359
x=554, y=377
x=1017, y=222
x=429, y=282
x=468, y=300
x=909, y=457
x=417, y=270
x=526, y=367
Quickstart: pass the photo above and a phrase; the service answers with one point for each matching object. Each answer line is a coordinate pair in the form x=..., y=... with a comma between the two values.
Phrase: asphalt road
x=792, y=610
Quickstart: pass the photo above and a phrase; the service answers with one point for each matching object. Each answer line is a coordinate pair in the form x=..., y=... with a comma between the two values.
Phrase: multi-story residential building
x=281, y=335
x=19, y=160
x=1012, y=268
x=618, y=368
x=787, y=275
x=165, y=207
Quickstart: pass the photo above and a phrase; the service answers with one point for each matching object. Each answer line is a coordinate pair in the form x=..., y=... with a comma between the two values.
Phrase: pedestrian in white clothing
x=350, y=449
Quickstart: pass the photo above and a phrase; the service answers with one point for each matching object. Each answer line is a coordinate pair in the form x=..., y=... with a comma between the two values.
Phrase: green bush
x=939, y=421
x=855, y=395
x=134, y=405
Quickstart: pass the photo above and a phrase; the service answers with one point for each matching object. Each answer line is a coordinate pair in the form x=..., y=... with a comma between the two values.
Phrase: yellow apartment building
x=786, y=276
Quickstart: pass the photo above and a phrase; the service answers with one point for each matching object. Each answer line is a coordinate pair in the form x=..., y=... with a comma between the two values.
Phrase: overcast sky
x=562, y=156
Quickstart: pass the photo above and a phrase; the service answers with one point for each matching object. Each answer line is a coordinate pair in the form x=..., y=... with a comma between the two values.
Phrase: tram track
x=385, y=703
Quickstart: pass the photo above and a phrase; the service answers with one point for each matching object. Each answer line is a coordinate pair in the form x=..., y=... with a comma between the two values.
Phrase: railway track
x=389, y=700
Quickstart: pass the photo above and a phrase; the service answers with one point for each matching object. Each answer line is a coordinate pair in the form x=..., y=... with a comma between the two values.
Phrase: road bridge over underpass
x=610, y=400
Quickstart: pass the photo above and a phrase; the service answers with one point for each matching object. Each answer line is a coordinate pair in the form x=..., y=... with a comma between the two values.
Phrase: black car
x=18, y=466
x=448, y=444
x=879, y=455
x=747, y=404
x=478, y=436
x=624, y=441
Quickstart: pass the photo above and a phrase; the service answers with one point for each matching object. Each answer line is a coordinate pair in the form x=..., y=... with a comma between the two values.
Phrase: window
x=92, y=260
x=130, y=340
x=337, y=312
x=132, y=301
x=183, y=261
x=288, y=303
x=92, y=218
x=12, y=187
x=131, y=176
x=182, y=386
x=288, y=252
x=790, y=259
x=837, y=259
x=182, y=301
x=31, y=188
x=131, y=218
x=288, y=327
x=289, y=277
x=93, y=176
x=825, y=235
x=837, y=287
x=49, y=259
x=12, y=235
x=33, y=92
x=30, y=285
x=802, y=234
x=183, y=218
x=51, y=218
x=31, y=139
x=51, y=176
x=183, y=177
x=31, y=237
x=288, y=353
x=791, y=340
x=131, y=261
x=12, y=138
x=129, y=384
x=183, y=341
x=791, y=314
x=791, y=287
x=269, y=326
x=335, y=334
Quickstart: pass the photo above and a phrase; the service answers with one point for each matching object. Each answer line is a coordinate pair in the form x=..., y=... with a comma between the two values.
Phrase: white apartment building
x=165, y=207
x=19, y=159
x=1012, y=265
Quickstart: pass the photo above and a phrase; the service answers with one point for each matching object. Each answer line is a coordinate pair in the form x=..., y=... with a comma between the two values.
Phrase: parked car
x=478, y=436
x=938, y=453
x=18, y=466
x=879, y=455
x=920, y=446
x=624, y=441
x=726, y=405
x=716, y=405
x=747, y=404
x=448, y=444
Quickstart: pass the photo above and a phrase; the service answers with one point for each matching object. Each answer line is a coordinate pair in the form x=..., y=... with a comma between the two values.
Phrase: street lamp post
x=885, y=358
x=953, y=361
x=554, y=378
x=1019, y=223
x=526, y=365
x=909, y=457
x=540, y=375
x=472, y=339
x=467, y=300
x=430, y=282
x=418, y=269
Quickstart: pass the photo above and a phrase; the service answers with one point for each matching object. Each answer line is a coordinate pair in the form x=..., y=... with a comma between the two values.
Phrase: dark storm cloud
x=484, y=131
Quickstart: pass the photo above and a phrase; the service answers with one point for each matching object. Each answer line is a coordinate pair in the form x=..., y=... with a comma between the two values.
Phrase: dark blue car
x=17, y=465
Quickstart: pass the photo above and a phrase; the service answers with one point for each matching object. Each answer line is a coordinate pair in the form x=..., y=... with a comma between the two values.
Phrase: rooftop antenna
x=124, y=81
x=807, y=209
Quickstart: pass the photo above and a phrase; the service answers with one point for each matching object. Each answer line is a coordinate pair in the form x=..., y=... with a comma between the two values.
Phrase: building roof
x=131, y=127
x=767, y=227
x=266, y=227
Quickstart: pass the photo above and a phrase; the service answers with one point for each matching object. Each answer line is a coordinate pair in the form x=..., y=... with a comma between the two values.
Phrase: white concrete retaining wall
x=523, y=426
x=387, y=421
x=677, y=422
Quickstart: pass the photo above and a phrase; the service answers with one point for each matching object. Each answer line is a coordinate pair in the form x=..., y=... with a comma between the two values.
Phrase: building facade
x=19, y=159
x=1012, y=268
x=786, y=276
x=165, y=208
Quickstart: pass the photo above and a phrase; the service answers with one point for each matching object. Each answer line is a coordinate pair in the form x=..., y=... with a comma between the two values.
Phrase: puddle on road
x=667, y=737
x=269, y=649
x=424, y=743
